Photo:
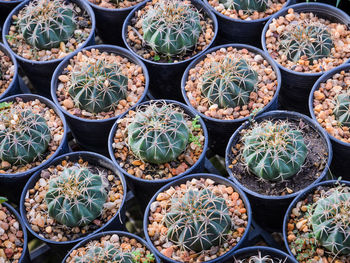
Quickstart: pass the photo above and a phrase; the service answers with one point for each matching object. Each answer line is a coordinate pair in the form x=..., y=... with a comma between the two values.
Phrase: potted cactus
x=273, y=158
x=156, y=142
x=316, y=225
x=9, y=84
x=197, y=218
x=226, y=85
x=166, y=35
x=40, y=33
x=305, y=40
x=261, y=255
x=76, y=195
x=94, y=87
x=112, y=246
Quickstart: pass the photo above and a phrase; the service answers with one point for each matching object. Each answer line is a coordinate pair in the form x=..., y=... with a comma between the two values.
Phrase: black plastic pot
x=269, y=210
x=300, y=197
x=296, y=86
x=25, y=253
x=40, y=72
x=6, y=7
x=144, y=189
x=119, y=233
x=14, y=87
x=217, y=179
x=220, y=131
x=165, y=78
x=11, y=185
x=83, y=128
x=116, y=222
x=241, y=31
x=341, y=150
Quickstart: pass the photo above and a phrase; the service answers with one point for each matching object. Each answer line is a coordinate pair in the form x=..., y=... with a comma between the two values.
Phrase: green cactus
x=46, y=23
x=246, y=5
x=261, y=259
x=76, y=197
x=158, y=133
x=98, y=87
x=305, y=39
x=24, y=135
x=229, y=82
x=330, y=220
x=274, y=150
x=342, y=109
x=198, y=221
x=171, y=27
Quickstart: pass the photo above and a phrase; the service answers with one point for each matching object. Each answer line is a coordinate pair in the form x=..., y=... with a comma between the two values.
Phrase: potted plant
x=32, y=133
x=154, y=38
x=112, y=246
x=197, y=218
x=226, y=85
x=316, y=225
x=273, y=158
x=13, y=235
x=260, y=255
x=94, y=87
x=9, y=84
x=78, y=194
x=242, y=21
x=305, y=41
x=71, y=25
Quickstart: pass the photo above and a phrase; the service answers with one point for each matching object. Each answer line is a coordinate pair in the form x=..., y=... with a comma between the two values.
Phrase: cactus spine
x=246, y=5
x=342, y=109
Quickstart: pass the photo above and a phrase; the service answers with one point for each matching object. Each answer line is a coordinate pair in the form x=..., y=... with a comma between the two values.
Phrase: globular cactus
x=342, y=109
x=261, y=259
x=229, y=82
x=305, y=39
x=44, y=24
x=98, y=87
x=158, y=133
x=246, y=5
x=198, y=221
x=171, y=27
x=76, y=197
x=330, y=220
x=274, y=150
x=24, y=135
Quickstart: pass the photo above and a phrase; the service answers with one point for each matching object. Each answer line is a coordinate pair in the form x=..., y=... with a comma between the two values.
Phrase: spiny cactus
x=342, y=109
x=158, y=133
x=246, y=5
x=24, y=135
x=98, y=87
x=274, y=150
x=229, y=82
x=76, y=197
x=330, y=220
x=46, y=23
x=308, y=39
x=171, y=27
x=198, y=220
x=261, y=259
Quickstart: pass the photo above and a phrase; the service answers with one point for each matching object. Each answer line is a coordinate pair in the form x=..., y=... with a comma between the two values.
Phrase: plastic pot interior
x=217, y=179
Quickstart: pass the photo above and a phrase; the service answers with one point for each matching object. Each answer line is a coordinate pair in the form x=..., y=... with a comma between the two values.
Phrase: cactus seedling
x=229, y=82
x=98, y=87
x=246, y=5
x=274, y=150
x=76, y=197
x=171, y=27
x=198, y=220
x=342, y=109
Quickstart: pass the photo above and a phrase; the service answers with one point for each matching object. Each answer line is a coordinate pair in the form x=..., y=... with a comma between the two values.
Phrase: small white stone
x=42, y=182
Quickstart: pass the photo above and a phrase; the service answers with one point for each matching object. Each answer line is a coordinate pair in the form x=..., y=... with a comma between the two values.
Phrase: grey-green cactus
x=246, y=5
x=44, y=24
x=274, y=150
x=342, y=109
x=198, y=221
x=261, y=259
x=76, y=197
x=171, y=27
x=24, y=135
x=229, y=82
x=158, y=133
x=98, y=87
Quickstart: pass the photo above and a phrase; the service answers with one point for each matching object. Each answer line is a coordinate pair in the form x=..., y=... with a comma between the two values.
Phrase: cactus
x=76, y=197
x=44, y=24
x=171, y=27
x=198, y=221
x=274, y=150
x=158, y=133
x=306, y=39
x=229, y=82
x=98, y=87
x=330, y=220
x=261, y=259
x=24, y=135
x=246, y=5
x=342, y=109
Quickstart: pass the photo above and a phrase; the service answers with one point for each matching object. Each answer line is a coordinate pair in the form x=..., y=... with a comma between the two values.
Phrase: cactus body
x=245, y=5
x=342, y=109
